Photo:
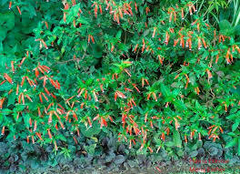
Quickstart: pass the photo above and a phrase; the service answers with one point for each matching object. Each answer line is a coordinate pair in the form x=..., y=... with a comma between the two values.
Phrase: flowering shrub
x=153, y=73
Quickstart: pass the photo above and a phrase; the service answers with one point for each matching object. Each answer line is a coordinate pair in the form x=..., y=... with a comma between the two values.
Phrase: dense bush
x=154, y=74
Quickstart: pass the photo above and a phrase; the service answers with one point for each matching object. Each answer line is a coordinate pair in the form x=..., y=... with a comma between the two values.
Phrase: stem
x=238, y=17
x=234, y=13
x=199, y=9
x=215, y=17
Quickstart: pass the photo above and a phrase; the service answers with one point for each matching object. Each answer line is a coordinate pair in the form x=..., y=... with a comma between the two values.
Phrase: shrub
x=153, y=73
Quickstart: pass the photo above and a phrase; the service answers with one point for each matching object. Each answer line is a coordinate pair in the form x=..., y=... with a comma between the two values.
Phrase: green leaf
x=224, y=24
x=3, y=2
x=90, y=149
x=235, y=126
x=232, y=143
x=89, y=132
x=61, y=137
x=237, y=30
x=11, y=98
x=119, y=159
x=238, y=146
x=193, y=154
x=225, y=27
x=177, y=139
x=119, y=33
x=5, y=87
x=7, y=20
x=165, y=90
x=213, y=151
x=3, y=33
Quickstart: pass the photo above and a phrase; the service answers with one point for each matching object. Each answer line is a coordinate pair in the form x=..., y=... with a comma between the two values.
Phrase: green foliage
x=156, y=75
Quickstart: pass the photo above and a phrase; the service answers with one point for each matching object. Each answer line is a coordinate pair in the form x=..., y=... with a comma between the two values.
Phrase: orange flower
x=209, y=74
x=127, y=72
x=39, y=136
x=177, y=125
x=46, y=90
x=89, y=38
x=175, y=42
x=170, y=17
x=204, y=43
x=10, y=5
x=227, y=56
x=135, y=49
x=89, y=122
x=199, y=137
x=143, y=47
x=95, y=96
x=45, y=45
x=154, y=31
x=182, y=13
x=217, y=57
x=221, y=129
x=55, y=145
x=135, y=86
x=167, y=38
x=36, y=72
x=190, y=9
x=189, y=43
x=61, y=124
x=135, y=7
x=12, y=65
x=187, y=81
x=50, y=118
x=112, y=48
x=147, y=10
x=185, y=137
x=19, y=10
x=163, y=136
x=75, y=116
x=35, y=126
x=49, y=133
x=120, y=12
x=197, y=90
x=86, y=94
x=23, y=101
x=2, y=82
x=160, y=59
x=3, y=130
x=92, y=39
x=176, y=76
x=182, y=41
x=1, y=102
x=194, y=22
x=82, y=105
x=29, y=98
x=150, y=149
x=44, y=96
x=199, y=43
x=103, y=122
x=147, y=81
x=46, y=24
x=40, y=98
x=6, y=76
x=120, y=94
x=33, y=141
x=142, y=82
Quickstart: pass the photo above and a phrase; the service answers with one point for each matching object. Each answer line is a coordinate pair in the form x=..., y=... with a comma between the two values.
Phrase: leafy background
x=139, y=79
